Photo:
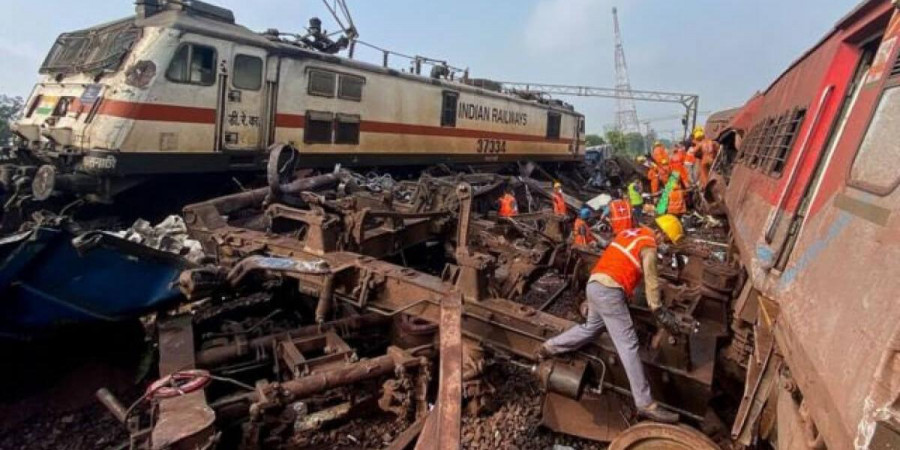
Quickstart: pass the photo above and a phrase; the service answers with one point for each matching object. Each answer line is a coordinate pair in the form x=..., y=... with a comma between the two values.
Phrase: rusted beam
x=444, y=426
x=216, y=356
x=184, y=421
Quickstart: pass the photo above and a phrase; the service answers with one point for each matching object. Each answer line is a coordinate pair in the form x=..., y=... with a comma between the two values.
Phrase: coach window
x=554, y=122
x=351, y=87
x=193, y=64
x=448, y=109
x=346, y=129
x=875, y=167
x=322, y=83
x=318, y=127
x=247, y=72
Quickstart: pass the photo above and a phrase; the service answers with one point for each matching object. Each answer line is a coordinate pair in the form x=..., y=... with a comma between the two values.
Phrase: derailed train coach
x=810, y=187
x=181, y=89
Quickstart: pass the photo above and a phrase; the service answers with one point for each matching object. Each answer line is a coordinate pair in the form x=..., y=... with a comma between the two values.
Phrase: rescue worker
x=690, y=162
x=630, y=257
x=677, y=164
x=508, y=206
x=660, y=155
x=677, y=201
x=559, y=201
x=672, y=199
x=581, y=231
x=619, y=216
x=707, y=149
x=653, y=177
x=636, y=199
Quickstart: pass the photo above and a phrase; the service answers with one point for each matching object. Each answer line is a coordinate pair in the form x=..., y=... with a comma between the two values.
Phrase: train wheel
x=658, y=436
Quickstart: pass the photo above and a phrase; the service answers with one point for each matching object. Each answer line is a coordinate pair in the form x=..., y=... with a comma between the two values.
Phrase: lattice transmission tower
x=626, y=111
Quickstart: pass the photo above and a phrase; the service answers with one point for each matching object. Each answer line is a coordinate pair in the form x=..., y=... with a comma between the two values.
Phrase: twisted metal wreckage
x=315, y=289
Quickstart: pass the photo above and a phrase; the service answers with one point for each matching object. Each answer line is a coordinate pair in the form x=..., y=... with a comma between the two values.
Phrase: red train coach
x=811, y=194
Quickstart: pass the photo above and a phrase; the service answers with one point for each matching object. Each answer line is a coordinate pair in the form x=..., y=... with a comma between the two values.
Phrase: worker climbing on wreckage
x=581, y=231
x=619, y=215
x=508, y=207
x=559, y=201
x=706, y=151
x=673, y=198
x=630, y=257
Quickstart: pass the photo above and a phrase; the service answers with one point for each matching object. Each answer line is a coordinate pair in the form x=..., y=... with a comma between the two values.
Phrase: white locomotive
x=181, y=89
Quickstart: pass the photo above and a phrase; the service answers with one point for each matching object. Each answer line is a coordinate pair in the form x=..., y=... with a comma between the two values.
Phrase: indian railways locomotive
x=809, y=179
x=180, y=88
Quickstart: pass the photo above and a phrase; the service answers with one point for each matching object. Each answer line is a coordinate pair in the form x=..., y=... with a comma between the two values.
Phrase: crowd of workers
x=630, y=256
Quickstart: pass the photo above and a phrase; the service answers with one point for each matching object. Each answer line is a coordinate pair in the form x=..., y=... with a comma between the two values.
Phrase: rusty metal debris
x=327, y=295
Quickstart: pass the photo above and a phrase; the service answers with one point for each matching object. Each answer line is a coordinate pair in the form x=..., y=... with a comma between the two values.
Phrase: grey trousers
x=607, y=308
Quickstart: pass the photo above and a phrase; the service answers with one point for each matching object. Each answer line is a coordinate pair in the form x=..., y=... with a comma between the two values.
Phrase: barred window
x=768, y=144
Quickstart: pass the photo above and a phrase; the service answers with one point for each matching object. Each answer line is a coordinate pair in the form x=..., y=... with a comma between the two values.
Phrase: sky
x=722, y=50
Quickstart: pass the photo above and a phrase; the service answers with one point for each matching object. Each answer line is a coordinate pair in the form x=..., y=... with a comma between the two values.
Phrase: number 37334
x=490, y=146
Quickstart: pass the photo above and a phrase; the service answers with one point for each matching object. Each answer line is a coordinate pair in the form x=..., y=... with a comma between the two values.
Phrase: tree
x=634, y=144
x=592, y=140
x=10, y=107
x=617, y=139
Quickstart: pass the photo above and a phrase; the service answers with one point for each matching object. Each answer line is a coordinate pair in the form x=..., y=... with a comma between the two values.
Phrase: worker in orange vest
x=619, y=215
x=508, y=205
x=654, y=175
x=677, y=205
x=559, y=201
x=678, y=165
x=581, y=231
x=630, y=257
x=690, y=162
x=707, y=149
x=660, y=155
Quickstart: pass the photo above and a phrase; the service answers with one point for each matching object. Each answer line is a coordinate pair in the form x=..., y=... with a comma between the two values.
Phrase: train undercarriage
x=332, y=305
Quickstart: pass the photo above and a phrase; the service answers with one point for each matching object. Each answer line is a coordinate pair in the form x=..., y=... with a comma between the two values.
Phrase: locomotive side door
x=244, y=104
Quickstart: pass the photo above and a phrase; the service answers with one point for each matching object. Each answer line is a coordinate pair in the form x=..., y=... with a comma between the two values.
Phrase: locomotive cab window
x=247, y=72
x=874, y=168
x=318, y=127
x=322, y=83
x=346, y=129
x=448, y=109
x=554, y=122
x=193, y=64
x=351, y=87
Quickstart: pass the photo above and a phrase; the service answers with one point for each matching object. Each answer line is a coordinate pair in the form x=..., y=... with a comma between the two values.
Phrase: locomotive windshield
x=100, y=49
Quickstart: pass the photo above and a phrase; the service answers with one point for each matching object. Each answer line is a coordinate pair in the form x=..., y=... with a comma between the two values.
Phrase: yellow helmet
x=641, y=159
x=557, y=184
x=671, y=226
x=698, y=132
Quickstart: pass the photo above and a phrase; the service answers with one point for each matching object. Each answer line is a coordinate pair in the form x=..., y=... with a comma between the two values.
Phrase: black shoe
x=656, y=413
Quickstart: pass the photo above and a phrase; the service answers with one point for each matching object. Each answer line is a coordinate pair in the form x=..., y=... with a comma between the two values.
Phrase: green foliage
x=617, y=140
x=635, y=144
x=10, y=107
x=594, y=139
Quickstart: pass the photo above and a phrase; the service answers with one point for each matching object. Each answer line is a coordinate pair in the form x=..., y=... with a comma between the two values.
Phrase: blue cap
x=585, y=213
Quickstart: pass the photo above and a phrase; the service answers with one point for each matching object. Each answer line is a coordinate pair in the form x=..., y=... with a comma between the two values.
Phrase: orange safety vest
x=508, y=206
x=582, y=232
x=660, y=155
x=710, y=149
x=676, y=201
x=622, y=259
x=559, y=203
x=620, y=216
x=653, y=176
x=691, y=157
